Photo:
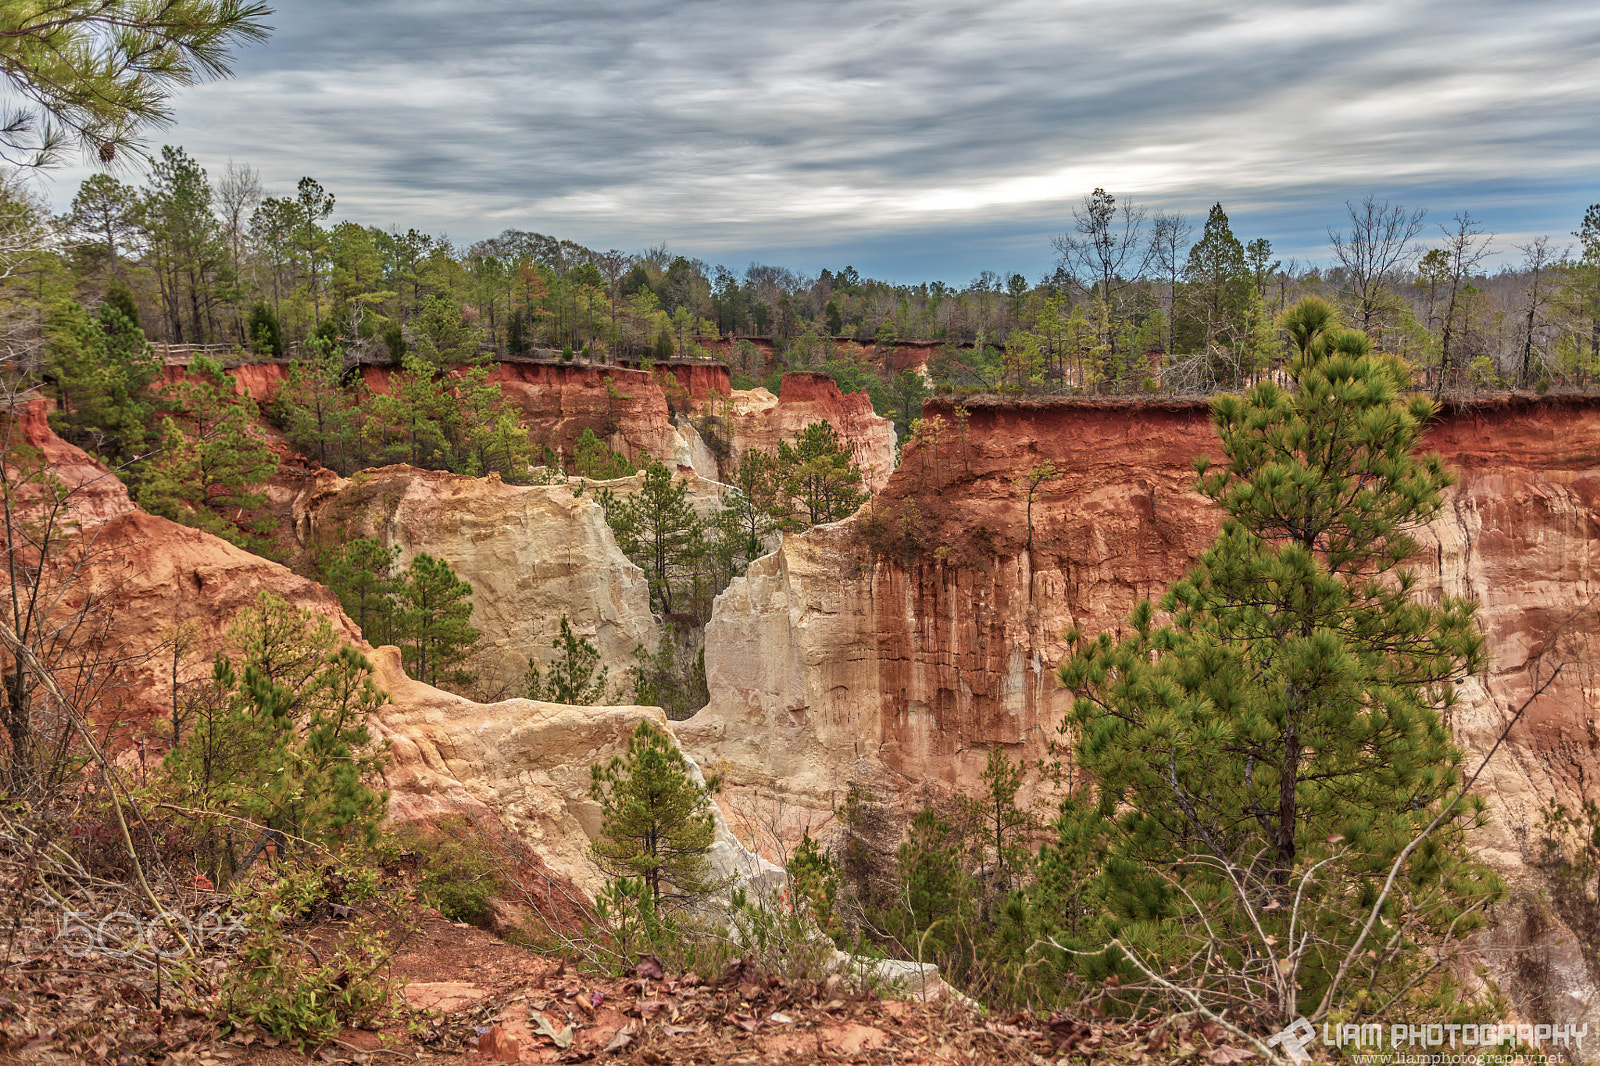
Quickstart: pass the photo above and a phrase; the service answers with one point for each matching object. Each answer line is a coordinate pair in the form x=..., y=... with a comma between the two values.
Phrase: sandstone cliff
x=532, y=554
x=523, y=762
x=517, y=764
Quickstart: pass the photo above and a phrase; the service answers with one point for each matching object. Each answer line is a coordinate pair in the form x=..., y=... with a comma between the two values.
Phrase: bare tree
x=1106, y=254
x=1465, y=248
x=57, y=608
x=1169, y=238
x=1378, y=247
x=238, y=193
x=1537, y=260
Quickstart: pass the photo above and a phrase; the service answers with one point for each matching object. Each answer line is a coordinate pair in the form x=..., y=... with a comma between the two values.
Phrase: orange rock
x=499, y=1046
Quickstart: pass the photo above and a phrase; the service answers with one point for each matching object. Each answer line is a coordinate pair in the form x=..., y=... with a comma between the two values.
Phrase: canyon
x=886, y=654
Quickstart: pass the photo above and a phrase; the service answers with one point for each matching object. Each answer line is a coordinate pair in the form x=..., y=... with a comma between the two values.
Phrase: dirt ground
x=478, y=999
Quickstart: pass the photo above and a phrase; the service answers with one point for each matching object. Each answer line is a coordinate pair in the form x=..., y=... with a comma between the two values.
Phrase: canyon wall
x=892, y=649
x=758, y=420
x=637, y=411
x=532, y=553
x=519, y=765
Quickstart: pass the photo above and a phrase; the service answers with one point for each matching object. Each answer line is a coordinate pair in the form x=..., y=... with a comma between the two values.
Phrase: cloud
x=955, y=131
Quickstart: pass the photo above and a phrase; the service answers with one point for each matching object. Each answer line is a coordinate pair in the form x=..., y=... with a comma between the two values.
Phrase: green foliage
x=363, y=577
x=416, y=420
x=658, y=529
x=980, y=367
x=571, y=677
x=103, y=369
x=673, y=677
x=936, y=894
x=656, y=820
x=1217, y=286
x=1569, y=853
x=459, y=876
x=1288, y=716
x=278, y=739
x=903, y=400
x=275, y=981
x=821, y=475
x=101, y=73
x=814, y=881
x=212, y=460
x=593, y=458
x=435, y=609
x=756, y=507
x=266, y=336
x=1001, y=826
x=320, y=416
x=424, y=609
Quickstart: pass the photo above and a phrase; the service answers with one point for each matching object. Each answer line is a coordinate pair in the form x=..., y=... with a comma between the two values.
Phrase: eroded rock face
x=96, y=495
x=532, y=554
x=893, y=649
x=759, y=420
x=517, y=764
x=896, y=667
x=524, y=761
x=913, y=658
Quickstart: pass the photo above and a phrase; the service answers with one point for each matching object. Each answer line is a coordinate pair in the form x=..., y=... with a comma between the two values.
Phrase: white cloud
x=822, y=126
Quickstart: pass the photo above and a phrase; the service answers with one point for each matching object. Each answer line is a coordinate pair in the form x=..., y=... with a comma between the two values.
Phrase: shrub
x=297, y=994
x=458, y=875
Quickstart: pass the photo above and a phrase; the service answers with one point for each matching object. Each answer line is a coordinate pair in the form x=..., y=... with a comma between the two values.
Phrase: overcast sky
x=919, y=140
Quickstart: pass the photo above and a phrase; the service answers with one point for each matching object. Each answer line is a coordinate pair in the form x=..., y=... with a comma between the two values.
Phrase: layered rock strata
x=893, y=649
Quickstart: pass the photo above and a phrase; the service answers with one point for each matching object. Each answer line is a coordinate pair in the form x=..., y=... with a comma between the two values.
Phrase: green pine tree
x=1289, y=714
x=656, y=821
x=279, y=738
x=213, y=461
x=821, y=476
x=435, y=619
x=103, y=369
x=362, y=576
x=1216, y=286
x=571, y=677
x=319, y=413
x=659, y=530
x=593, y=458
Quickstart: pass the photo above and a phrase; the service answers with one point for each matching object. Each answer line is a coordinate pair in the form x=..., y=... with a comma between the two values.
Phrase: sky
x=915, y=140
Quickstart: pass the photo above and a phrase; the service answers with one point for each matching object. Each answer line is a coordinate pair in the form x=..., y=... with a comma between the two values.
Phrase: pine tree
x=1289, y=713
x=656, y=821
x=1216, y=285
x=593, y=458
x=362, y=576
x=319, y=413
x=103, y=71
x=435, y=616
x=570, y=678
x=757, y=500
x=821, y=475
x=658, y=529
x=212, y=461
x=103, y=369
x=279, y=737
